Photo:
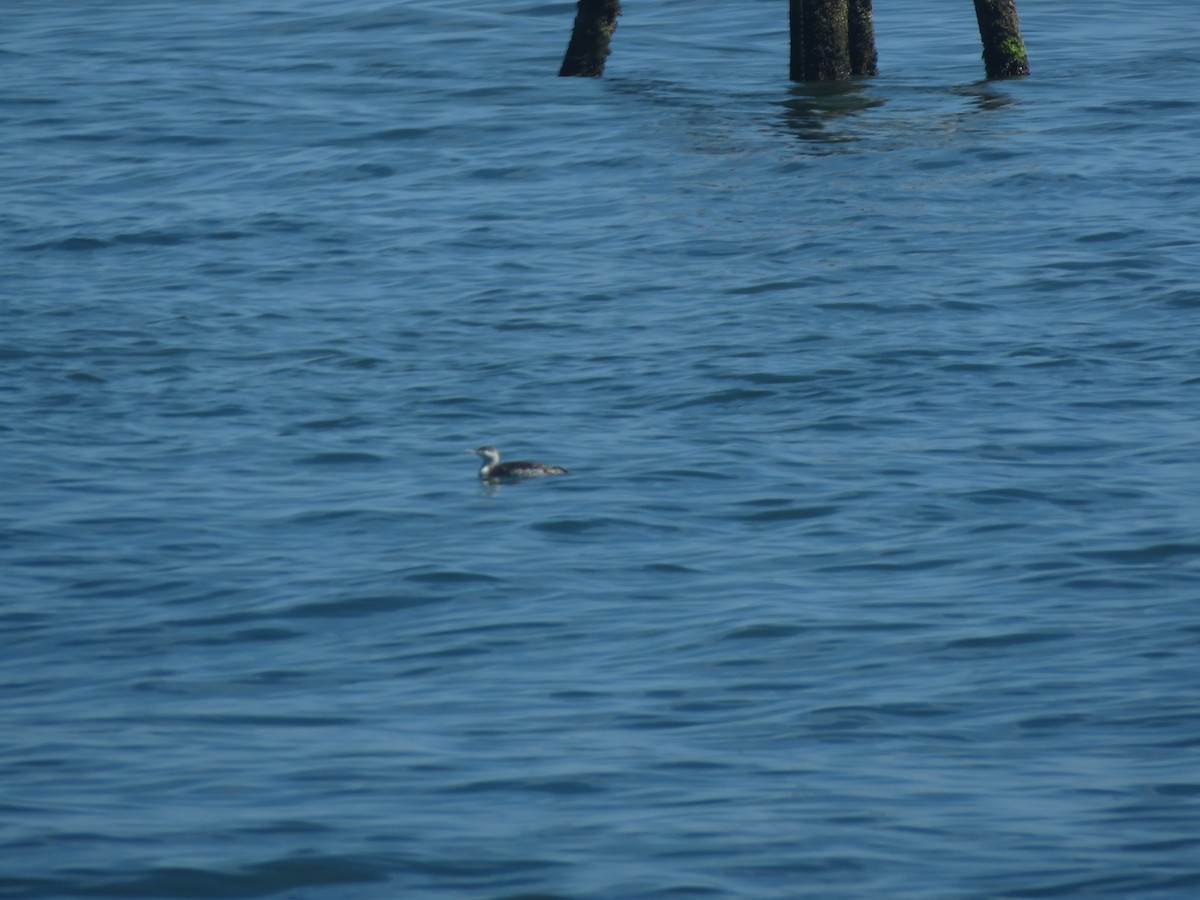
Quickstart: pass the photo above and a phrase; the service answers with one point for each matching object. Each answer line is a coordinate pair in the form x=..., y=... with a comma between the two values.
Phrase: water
x=880, y=575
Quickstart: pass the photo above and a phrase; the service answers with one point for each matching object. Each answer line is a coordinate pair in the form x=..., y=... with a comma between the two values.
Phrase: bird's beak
x=468, y=451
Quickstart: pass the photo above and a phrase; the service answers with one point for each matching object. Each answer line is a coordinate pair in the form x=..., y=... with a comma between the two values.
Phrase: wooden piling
x=595, y=22
x=826, y=37
x=796, y=36
x=831, y=40
x=1003, y=50
x=864, y=60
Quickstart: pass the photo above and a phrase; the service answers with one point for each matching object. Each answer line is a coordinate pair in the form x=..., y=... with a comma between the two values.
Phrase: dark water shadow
x=820, y=111
x=830, y=113
x=985, y=96
x=825, y=116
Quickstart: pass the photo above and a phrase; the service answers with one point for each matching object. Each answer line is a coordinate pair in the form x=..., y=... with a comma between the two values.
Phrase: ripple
x=789, y=514
x=1003, y=641
x=451, y=577
x=369, y=605
x=341, y=458
x=258, y=880
x=761, y=632
x=1147, y=555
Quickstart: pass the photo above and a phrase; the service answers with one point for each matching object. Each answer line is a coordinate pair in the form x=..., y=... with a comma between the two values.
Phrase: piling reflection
x=819, y=110
x=986, y=96
x=828, y=113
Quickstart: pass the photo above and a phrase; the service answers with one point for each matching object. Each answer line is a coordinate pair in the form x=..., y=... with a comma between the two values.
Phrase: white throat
x=490, y=459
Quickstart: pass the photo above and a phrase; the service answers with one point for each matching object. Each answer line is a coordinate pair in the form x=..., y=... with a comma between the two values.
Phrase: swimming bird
x=494, y=470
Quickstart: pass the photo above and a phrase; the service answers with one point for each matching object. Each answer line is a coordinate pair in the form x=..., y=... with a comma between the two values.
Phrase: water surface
x=880, y=573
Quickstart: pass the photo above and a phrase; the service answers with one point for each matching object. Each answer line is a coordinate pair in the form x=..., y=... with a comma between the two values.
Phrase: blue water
x=880, y=572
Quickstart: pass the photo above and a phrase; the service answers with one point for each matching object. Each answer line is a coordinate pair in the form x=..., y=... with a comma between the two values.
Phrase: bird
x=494, y=470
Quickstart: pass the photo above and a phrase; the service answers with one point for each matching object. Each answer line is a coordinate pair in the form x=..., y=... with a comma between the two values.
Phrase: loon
x=494, y=470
